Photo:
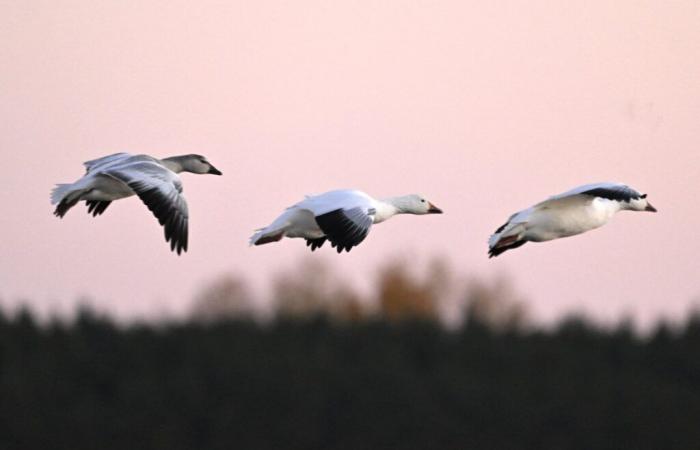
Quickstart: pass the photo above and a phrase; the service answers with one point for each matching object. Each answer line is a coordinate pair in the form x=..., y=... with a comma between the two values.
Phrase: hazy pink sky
x=484, y=107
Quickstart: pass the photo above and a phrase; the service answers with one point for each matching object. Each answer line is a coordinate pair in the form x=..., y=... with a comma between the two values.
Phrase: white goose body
x=122, y=175
x=343, y=217
x=573, y=212
x=95, y=185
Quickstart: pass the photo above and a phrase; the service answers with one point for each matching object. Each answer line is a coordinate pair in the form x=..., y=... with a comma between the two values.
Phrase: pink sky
x=484, y=107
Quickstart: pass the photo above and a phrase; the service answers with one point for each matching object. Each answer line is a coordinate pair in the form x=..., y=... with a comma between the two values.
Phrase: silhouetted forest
x=330, y=372
x=314, y=384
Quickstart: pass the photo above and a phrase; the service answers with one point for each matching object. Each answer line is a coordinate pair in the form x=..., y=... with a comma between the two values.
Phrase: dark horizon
x=304, y=384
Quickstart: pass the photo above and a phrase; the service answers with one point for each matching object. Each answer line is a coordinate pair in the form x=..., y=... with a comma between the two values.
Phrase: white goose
x=573, y=212
x=343, y=217
x=122, y=175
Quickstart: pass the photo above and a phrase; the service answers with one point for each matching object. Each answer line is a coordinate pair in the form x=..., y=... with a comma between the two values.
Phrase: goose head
x=415, y=204
x=194, y=164
x=641, y=204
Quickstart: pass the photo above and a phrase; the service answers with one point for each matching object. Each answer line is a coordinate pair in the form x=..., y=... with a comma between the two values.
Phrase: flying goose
x=343, y=217
x=122, y=175
x=573, y=212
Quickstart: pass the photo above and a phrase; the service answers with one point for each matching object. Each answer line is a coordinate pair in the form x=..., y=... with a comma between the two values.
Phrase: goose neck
x=387, y=208
x=173, y=163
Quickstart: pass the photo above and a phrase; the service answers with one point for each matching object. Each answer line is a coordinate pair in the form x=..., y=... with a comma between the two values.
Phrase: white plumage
x=573, y=212
x=122, y=175
x=343, y=217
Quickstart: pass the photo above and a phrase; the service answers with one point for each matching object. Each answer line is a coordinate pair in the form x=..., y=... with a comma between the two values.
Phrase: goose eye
x=422, y=200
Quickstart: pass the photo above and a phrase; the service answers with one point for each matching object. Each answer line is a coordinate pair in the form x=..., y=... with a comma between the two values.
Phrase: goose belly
x=546, y=225
x=298, y=223
x=105, y=189
x=304, y=226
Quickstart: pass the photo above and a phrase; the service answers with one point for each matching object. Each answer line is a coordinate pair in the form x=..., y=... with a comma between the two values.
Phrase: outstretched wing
x=105, y=160
x=586, y=194
x=345, y=228
x=161, y=191
x=608, y=190
x=620, y=193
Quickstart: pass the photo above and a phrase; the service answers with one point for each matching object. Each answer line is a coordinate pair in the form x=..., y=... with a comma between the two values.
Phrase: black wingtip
x=174, y=223
x=315, y=243
x=618, y=193
x=62, y=208
x=175, y=230
x=96, y=207
x=341, y=247
x=341, y=231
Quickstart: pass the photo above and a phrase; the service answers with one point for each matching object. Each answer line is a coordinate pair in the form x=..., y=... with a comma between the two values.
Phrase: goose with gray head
x=574, y=212
x=155, y=181
x=342, y=217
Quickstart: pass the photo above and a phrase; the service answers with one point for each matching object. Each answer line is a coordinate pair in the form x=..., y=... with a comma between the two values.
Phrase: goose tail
x=507, y=237
x=265, y=236
x=59, y=192
x=67, y=196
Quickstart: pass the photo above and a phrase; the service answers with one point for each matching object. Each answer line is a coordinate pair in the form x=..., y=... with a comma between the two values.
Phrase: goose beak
x=432, y=209
x=650, y=208
x=213, y=170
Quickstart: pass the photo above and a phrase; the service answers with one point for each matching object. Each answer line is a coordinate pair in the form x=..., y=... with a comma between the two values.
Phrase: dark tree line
x=314, y=384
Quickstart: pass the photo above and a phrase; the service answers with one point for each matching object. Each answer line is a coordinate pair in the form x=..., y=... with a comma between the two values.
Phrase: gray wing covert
x=161, y=191
x=95, y=163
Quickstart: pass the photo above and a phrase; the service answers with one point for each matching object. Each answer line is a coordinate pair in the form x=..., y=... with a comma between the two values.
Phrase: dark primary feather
x=63, y=206
x=345, y=228
x=315, y=243
x=96, y=207
x=618, y=193
x=170, y=210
